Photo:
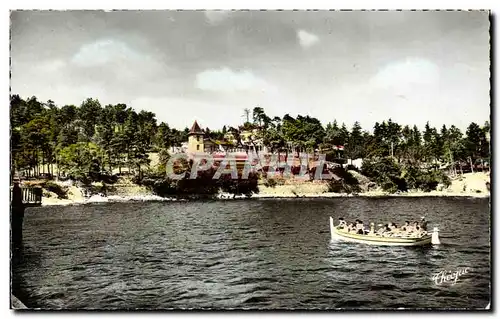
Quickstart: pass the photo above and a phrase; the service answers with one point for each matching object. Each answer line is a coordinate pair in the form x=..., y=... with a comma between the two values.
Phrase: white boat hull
x=379, y=240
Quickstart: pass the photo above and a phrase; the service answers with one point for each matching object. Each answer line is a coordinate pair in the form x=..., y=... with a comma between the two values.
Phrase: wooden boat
x=430, y=238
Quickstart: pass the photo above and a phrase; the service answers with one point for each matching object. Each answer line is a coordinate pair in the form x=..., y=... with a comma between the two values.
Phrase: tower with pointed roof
x=196, y=139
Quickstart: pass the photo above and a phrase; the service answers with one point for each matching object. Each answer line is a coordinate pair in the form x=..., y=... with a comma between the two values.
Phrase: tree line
x=89, y=140
x=405, y=144
x=86, y=140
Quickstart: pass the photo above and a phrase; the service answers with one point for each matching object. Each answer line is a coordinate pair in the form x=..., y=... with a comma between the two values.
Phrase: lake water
x=252, y=254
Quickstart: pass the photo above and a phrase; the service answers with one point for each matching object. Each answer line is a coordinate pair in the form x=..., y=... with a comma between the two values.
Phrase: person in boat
x=416, y=230
x=382, y=229
x=351, y=228
x=393, y=229
x=423, y=224
x=372, y=229
x=406, y=226
x=416, y=226
x=356, y=226
x=387, y=230
x=360, y=228
x=342, y=223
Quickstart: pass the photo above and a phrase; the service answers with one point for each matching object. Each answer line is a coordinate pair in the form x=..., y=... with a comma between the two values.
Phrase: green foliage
x=476, y=145
x=161, y=186
x=239, y=186
x=90, y=140
x=385, y=172
x=260, y=118
x=202, y=186
x=343, y=182
x=354, y=144
x=302, y=133
x=82, y=161
x=41, y=131
x=89, y=113
x=425, y=179
x=270, y=182
x=393, y=177
x=60, y=191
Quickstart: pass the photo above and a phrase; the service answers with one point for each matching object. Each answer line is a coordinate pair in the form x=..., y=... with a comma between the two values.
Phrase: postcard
x=250, y=160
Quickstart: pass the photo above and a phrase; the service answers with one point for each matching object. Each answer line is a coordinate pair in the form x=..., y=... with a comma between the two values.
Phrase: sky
x=366, y=66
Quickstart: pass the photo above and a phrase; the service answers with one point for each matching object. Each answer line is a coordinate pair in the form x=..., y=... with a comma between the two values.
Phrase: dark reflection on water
x=256, y=254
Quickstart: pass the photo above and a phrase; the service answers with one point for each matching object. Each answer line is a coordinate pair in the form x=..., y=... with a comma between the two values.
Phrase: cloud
x=307, y=39
x=102, y=52
x=215, y=17
x=122, y=56
x=227, y=80
x=51, y=66
x=405, y=75
x=116, y=64
x=208, y=114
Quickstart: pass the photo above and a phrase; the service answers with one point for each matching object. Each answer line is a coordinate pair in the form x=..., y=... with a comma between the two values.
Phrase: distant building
x=198, y=143
x=248, y=140
x=245, y=146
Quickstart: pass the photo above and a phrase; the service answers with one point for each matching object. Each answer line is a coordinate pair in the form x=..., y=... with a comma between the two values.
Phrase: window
x=198, y=138
x=197, y=147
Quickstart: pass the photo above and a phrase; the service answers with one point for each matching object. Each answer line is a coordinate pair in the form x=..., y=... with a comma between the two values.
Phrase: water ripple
x=260, y=254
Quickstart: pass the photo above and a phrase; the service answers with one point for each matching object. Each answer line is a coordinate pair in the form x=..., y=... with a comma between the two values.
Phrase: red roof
x=195, y=129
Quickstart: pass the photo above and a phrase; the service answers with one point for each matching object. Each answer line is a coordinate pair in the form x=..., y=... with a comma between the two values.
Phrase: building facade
x=198, y=143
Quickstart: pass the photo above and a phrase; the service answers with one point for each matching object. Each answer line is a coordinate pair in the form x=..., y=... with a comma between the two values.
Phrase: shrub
x=59, y=190
x=239, y=186
x=446, y=180
x=270, y=182
x=386, y=173
x=346, y=182
x=202, y=186
x=351, y=167
x=164, y=187
x=108, y=178
x=426, y=179
x=389, y=186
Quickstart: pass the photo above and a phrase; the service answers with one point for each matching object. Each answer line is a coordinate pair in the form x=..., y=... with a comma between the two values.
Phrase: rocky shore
x=469, y=185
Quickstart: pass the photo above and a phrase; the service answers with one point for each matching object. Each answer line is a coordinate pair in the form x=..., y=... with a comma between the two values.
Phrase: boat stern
x=332, y=234
x=435, y=237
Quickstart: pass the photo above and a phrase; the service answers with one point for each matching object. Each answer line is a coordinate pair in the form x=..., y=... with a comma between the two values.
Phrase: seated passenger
x=372, y=229
x=351, y=227
x=417, y=230
x=342, y=223
x=416, y=226
x=360, y=228
x=406, y=226
x=381, y=229
x=423, y=224
x=387, y=230
x=395, y=228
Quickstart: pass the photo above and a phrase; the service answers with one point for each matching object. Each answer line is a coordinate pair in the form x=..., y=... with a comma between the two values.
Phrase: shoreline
x=468, y=186
x=154, y=198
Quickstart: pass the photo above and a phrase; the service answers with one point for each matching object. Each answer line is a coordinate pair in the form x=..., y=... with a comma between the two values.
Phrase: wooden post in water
x=17, y=215
x=331, y=228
